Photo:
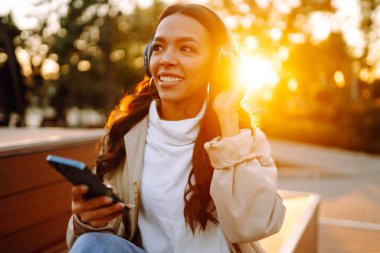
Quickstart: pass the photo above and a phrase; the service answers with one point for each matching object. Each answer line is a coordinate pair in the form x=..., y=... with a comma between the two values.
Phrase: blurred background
x=314, y=65
x=313, y=71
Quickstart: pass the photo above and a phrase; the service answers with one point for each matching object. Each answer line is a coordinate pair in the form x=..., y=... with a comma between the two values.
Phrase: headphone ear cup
x=147, y=55
x=226, y=70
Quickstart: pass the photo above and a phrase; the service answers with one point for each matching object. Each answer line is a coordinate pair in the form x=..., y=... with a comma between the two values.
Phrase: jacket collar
x=134, y=144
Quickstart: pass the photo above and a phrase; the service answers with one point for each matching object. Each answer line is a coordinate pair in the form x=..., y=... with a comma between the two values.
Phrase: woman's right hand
x=97, y=211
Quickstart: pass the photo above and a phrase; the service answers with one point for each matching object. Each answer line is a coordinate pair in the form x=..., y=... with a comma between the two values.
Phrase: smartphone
x=77, y=173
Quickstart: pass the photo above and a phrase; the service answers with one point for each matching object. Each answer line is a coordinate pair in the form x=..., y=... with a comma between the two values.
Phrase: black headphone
x=147, y=54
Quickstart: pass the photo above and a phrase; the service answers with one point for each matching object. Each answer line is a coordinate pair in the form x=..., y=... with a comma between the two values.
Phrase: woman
x=192, y=180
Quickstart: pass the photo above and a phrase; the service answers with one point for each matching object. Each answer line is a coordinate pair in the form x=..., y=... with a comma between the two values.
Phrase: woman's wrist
x=229, y=123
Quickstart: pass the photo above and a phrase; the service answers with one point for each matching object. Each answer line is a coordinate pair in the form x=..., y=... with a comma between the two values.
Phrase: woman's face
x=180, y=61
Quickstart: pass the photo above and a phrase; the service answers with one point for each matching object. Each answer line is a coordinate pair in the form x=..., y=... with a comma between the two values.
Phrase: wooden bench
x=35, y=199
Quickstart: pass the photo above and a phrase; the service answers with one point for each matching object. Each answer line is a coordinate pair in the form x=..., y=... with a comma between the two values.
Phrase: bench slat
x=29, y=171
x=36, y=238
x=30, y=208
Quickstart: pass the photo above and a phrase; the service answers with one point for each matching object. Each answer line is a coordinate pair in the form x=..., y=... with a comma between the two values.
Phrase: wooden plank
x=29, y=171
x=25, y=210
x=22, y=141
x=57, y=248
x=36, y=238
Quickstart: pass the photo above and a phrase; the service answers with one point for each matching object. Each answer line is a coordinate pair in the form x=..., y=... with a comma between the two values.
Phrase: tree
x=12, y=87
x=99, y=51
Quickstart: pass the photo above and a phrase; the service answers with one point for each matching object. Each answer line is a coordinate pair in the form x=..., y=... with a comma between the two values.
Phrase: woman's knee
x=88, y=242
x=102, y=242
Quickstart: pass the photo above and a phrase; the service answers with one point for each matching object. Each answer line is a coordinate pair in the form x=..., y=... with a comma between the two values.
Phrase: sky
x=25, y=13
x=20, y=9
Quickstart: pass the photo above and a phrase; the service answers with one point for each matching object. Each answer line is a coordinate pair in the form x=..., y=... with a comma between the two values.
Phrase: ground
x=349, y=185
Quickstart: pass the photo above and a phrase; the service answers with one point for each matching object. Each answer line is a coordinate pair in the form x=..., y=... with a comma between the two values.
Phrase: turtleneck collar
x=177, y=133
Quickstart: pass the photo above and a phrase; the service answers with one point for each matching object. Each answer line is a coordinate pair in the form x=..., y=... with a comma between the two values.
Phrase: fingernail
x=131, y=206
x=120, y=205
x=84, y=188
x=108, y=185
x=109, y=200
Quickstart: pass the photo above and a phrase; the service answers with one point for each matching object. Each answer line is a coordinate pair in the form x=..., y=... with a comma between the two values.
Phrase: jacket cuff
x=81, y=227
x=230, y=151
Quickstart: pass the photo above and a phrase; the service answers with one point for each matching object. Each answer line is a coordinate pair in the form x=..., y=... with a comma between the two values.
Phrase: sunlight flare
x=257, y=72
x=339, y=79
x=293, y=85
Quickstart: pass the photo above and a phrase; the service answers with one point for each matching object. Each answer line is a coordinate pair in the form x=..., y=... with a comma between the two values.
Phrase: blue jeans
x=95, y=242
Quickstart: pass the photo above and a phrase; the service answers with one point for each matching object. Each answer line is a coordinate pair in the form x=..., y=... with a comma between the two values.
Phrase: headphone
x=147, y=54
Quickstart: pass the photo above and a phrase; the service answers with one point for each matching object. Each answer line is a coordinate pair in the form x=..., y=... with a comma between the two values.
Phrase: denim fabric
x=95, y=242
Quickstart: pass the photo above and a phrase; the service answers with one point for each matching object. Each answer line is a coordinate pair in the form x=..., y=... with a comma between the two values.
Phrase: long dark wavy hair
x=199, y=207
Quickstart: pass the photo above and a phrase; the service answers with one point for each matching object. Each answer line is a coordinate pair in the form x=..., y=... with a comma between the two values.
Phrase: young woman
x=193, y=175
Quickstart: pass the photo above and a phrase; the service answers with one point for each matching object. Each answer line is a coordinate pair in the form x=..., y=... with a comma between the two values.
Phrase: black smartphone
x=78, y=173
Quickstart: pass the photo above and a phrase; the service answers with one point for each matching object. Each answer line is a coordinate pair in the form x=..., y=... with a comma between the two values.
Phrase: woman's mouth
x=168, y=81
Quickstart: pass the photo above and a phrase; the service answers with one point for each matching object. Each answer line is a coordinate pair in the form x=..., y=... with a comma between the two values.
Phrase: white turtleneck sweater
x=167, y=164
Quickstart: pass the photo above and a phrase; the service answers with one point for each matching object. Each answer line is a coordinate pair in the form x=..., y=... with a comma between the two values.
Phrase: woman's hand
x=226, y=105
x=96, y=211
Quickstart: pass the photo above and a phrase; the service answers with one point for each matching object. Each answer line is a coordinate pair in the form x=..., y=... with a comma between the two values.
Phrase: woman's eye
x=157, y=48
x=187, y=49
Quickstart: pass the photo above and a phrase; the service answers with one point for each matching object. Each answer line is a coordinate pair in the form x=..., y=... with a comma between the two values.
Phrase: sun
x=256, y=73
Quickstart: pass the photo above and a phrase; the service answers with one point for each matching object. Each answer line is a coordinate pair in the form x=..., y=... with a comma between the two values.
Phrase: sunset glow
x=257, y=72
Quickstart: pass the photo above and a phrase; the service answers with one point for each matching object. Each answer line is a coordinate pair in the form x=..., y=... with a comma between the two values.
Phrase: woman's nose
x=168, y=58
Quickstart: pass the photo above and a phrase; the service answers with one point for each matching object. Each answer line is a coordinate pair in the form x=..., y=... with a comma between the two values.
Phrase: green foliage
x=111, y=42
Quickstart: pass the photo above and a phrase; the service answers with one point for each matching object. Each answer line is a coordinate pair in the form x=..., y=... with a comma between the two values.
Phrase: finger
x=102, y=213
x=238, y=94
x=78, y=191
x=102, y=222
x=82, y=205
x=233, y=98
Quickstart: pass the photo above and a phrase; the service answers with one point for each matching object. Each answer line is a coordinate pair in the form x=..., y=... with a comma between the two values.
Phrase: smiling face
x=181, y=61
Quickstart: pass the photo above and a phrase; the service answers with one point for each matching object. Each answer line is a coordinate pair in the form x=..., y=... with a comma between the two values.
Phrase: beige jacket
x=243, y=188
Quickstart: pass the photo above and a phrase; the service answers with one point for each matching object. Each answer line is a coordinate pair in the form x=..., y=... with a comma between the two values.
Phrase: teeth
x=170, y=79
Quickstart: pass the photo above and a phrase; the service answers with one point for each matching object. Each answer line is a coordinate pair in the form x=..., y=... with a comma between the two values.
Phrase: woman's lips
x=167, y=81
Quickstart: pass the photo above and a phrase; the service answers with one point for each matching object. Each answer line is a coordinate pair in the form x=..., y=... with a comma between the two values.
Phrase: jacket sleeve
x=76, y=228
x=244, y=188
